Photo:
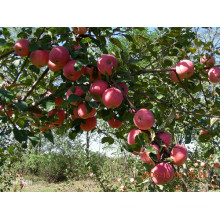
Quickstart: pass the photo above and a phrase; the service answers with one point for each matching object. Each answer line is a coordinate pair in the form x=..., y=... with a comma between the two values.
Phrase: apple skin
x=70, y=73
x=165, y=137
x=78, y=91
x=216, y=165
x=185, y=68
x=59, y=55
x=54, y=67
x=60, y=114
x=202, y=164
x=124, y=87
x=114, y=123
x=112, y=98
x=107, y=63
x=10, y=113
x=21, y=47
x=196, y=164
x=97, y=89
x=145, y=155
x=79, y=30
x=89, y=125
x=58, y=101
x=94, y=75
x=179, y=154
x=162, y=173
x=214, y=75
x=144, y=119
x=210, y=62
x=39, y=58
x=132, y=134
x=203, y=132
x=173, y=76
x=82, y=111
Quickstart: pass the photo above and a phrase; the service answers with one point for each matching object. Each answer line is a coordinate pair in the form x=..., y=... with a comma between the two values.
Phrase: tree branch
x=6, y=54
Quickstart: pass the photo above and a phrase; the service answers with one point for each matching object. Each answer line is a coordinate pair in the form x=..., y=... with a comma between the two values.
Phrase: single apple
x=202, y=164
x=179, y=154
x=144, y=155
x=39, y=58
x=203, y=132
x=60, y=114
x=21, y=47
x=59, y=55
x=124, y=87
x=144, y=119
x=214, y=75
x=162, y=173
x=112, y=98
x=208, y=62
x=93, y=72
x=107, y=64
x=174, y=77
x=54, y=67
x=132, y=134
x=89, y=125
x=165, y=137
x=83, y=112
x=58, y=101
x=114, y=123
x=185, y=68
x=79, y=30
x=97, y=89
x=78, y=92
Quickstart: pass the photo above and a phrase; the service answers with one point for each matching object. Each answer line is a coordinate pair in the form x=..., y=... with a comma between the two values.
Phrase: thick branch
x=36, y=83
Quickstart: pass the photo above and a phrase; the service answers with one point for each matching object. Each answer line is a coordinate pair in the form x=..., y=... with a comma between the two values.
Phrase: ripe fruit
x=59, y=55
x=78, y=92
x=10, y=113
x=97, y=89
x=89, y=125
x=191, y=169
x=107, y=63
x=179, y=155
x=132, y=134
x=83, y=112
x=114, y=123
x=173, y=76
x=203, y=132
x=70, y=73
x=79, y=30
x=208, y=62
x=58, y=101
x=93, y=72
x=54, y=67
x=124, y=87
x=144, y=119
x=145, y=155
x=202, y=164
x=165, y=137
x=39, y=58
x=60, y=114
x=21, y=47
x=162, y=173
x=185, y=68
x=196, y=164
x=214, y=74
x=112, y=98
x=216, y=165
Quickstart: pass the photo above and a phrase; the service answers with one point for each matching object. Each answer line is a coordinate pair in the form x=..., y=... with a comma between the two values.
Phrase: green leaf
x=188, y=137
x=34, y=69
x=50, y=104
x=34, y=140
x=94, y=104
x=209, y=152
x=110, y=140
x=213, y=121
x=21, y=105
x=73, y=98
x=20, y=135
x=116, y=42
x=32, y=46
x=49, y=136
x=5, y=94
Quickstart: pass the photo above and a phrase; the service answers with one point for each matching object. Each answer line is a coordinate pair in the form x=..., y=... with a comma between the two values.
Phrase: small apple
x=202, y=164
x=79, y=30
x=70, y=73
x=203, y=132
x=39, y=58
x=93, y=72
x=54, y=67
x=112, y=98
x=107, y=63
x=145, y=155
x=78, y=92
x=58, y=101
x=214, y=75
x=144, y=119
x=97, y=89
x=185, y=68
x=60, y=114
x=173, y=76
x=165, y=137
x=89, y=125
x=114, y=123
x=21, y=47
x=162, y=173
x=124, y=87
x=82, y=111
x=196, y=164
x=179, y=154
x=208, y=62
x=59, y=55
x=132, y=134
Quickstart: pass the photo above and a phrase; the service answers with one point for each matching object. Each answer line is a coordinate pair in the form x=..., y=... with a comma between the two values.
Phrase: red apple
x=203, y=132
x=216, y=165
x=165, y=137
x=124, y=87
x=39, y=58
x=162, y=173
x=59, y=55
x=58, y=101
x=202, y=164
x=196, y=164
x=185, y=68
x=132, y=134
x=79, y=30
x=10, y=113
x=54, y=67
x=214, y=74
x=144, y=119
x=70, y=73
x=145, y=155
x=59, y=113
x=107, y=63
x=179, y=154
x=173, y=76
x=208, y=62
x=21, y=47
x=94, y=75
x=78, y=91
x=97, y=89
x=112, y=98
x=114, y=123
x=89, y=125
x=83, y=112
